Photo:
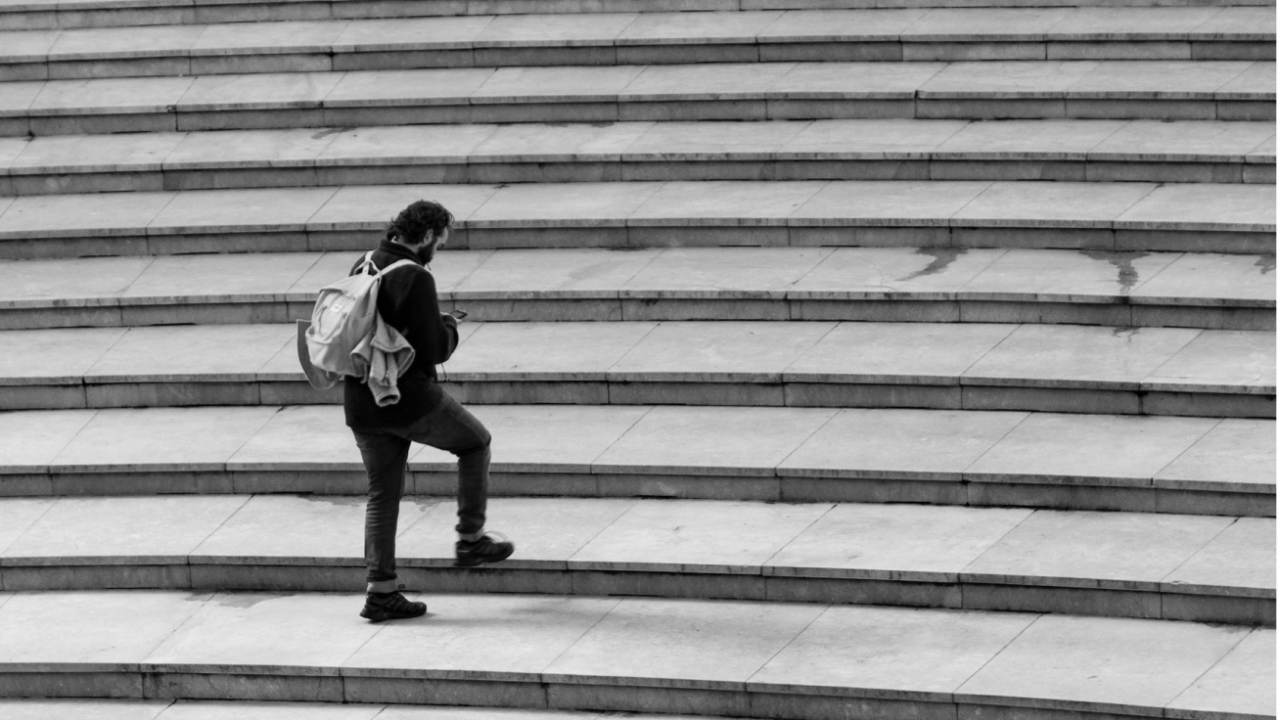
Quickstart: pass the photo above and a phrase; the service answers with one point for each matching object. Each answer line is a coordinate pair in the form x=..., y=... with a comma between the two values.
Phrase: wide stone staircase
x=844, y=359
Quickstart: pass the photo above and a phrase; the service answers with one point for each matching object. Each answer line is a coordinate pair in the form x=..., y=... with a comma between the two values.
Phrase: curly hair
x=413, y=222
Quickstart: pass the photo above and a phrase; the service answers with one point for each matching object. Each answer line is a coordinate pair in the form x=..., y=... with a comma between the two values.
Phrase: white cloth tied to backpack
x=347, y=336
x=381, y=357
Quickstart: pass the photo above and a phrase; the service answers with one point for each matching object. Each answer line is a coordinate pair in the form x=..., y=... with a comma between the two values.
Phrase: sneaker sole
x=383, y=617
x=482, y=561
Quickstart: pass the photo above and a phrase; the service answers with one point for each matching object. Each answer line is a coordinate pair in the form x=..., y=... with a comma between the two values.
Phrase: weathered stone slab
x=1226, y=361
x=898, y=653
x=1240, y=682
x=1121, y=551
x=1101, y=358
x=161, y=439
x=1235, y=454
x=859, y=443
x=1074, y=647
x=237, y=631
x=721, y=643
x=1240, y=557
x=100, y=628
x=696, y=536
x=311, y=530
x=143, y=528
x=898, y=542
x=536, y=632
x=1094, y=449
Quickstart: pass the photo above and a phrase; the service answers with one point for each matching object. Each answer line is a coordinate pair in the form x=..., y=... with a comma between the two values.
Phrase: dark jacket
x=406, y=301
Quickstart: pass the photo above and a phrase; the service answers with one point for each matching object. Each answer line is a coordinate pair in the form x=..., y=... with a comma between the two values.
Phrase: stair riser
x=48, y=19
x=126, y=179
x=484, y=689
x=793, y=394
x=977, y=108
x=612, y=234
x=348, y=10
x=976, y=490
x=22, y=576
x=674, y=54
x=899, y=309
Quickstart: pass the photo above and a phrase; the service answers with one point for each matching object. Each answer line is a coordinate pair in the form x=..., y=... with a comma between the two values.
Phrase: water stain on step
x=1127, y=274
x=1267, y=263
x=326, y=133
x=942, y=258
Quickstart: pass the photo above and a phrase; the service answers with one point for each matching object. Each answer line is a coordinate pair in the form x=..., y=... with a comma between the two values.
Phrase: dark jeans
x=385, y=452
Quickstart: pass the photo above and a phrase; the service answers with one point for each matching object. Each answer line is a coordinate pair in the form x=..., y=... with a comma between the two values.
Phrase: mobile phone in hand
x=459, y=314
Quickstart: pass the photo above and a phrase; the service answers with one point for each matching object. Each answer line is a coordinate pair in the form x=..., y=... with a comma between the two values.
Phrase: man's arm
x=433, y=337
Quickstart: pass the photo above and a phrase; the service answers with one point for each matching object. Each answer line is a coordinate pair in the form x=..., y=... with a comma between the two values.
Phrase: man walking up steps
x=425, y=414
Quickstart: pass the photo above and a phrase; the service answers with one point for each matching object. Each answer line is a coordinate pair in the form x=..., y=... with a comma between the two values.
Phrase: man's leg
x=450, y=427
x=384, y=458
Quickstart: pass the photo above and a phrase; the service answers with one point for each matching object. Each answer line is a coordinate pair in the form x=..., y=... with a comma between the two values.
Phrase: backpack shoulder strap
x=396, y=264
x=366, y=263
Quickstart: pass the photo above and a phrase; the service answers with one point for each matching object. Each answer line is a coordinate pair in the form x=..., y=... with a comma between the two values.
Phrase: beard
x=426, y=253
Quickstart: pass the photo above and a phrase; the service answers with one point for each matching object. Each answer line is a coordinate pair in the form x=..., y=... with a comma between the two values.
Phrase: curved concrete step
x=1174, y=33
x=1235, y=292
x=1123, y=217
x=1175, y=567
x=955, y=457
x=168, y=709
x=53, y=14
x=1062, y=368
x=79, y=14
x=631, y=654
x=1158, y=90
x=904, y=150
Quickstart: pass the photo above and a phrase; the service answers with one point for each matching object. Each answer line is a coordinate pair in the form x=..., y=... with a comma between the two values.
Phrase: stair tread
x=1082, y=24
x=950, y=446
x=1027, y=204
x=1166, y=80
x=204, y=484
x=1003, y=659
x=898, y=274
x=338, y=12
x=1142, y=552
x=103, y=709
x=866, y=140
x=974, y=354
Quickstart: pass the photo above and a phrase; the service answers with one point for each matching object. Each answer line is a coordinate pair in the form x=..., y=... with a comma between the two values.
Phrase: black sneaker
x=391, y=606
x=483, y=551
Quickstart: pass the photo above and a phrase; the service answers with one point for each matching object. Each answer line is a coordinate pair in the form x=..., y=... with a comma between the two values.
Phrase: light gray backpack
x=344, y=316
